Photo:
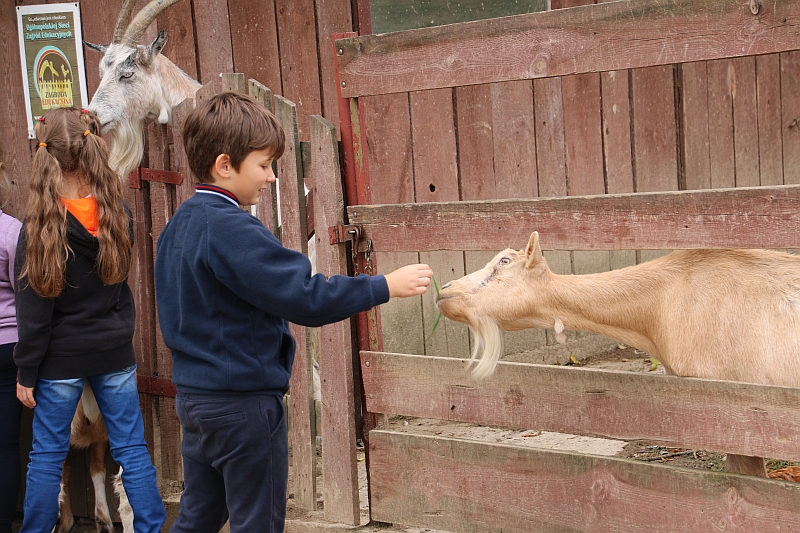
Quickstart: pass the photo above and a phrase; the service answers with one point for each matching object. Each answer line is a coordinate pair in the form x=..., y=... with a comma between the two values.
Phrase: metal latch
x=350, y=232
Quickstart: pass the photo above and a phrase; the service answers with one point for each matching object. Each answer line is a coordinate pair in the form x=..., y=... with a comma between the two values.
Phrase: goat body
x=717, y=314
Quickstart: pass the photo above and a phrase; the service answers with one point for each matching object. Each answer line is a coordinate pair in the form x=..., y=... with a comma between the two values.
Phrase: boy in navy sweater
x=225, y=290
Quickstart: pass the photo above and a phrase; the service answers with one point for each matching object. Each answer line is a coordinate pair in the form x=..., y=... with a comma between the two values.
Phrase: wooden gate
x=414, y=100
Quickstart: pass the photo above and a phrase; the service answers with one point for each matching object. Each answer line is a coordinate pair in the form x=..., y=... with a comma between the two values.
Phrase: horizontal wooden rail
x=704, y=414
x=757, y=217
x=458, y=485
x=593, y=38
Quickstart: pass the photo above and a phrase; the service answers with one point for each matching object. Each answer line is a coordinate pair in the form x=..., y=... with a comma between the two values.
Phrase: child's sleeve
x=259, y=269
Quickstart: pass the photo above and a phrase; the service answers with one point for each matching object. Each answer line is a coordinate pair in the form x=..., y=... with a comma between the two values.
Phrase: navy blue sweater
x=225, y=289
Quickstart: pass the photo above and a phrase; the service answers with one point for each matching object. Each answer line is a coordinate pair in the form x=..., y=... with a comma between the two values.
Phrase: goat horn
x=143, y=19
x=123, y=20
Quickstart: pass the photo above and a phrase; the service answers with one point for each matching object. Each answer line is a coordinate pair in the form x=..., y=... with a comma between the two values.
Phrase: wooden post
x=294, y=235
x=339, y=457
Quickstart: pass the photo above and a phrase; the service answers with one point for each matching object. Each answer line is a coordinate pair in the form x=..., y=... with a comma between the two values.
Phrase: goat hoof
x=102, y=527
x=64, y=525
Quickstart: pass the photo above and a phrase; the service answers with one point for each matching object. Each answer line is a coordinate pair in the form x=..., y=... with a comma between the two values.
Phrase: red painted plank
x=745, y=120
x=299, y=59
x=583, y=134
x=474, y=117
x=790, y=110
x=655, y=148
x=720, y=123
x=549, y=111
x=720, y=416
x=696, y=132
x=513, y=129
x=333, y=16
x=450, y=484
x=770, y=143
x=608, y=36
x=254, y=41
x=213, y=40
x=729, y=218
x=434, y=144
x=340, y=491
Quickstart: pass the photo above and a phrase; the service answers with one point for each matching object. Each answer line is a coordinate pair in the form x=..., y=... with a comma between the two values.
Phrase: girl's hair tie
x=41, y=119
x=42, y=145
x=85, y=111
x=86, y=133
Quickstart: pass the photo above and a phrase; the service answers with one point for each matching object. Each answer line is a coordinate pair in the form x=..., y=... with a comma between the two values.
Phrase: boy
x=225, y=289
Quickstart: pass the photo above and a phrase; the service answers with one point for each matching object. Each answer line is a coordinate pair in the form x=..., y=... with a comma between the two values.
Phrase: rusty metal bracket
x=343, y=233
x=156, y=386
x=153, y=174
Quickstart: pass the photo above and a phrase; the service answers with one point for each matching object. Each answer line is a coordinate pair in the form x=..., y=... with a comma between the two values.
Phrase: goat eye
x=125, y=75
x=505, y=261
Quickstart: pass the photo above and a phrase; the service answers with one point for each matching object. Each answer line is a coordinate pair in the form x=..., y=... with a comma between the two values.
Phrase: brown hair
x=69, y=142
x=233, y=124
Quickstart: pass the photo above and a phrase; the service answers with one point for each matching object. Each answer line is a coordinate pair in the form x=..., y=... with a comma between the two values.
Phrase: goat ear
x=99, y=47
x=533, y=253
x=158, y=43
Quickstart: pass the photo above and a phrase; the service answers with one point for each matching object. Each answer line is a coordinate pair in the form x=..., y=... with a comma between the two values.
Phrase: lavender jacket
x=9, y=234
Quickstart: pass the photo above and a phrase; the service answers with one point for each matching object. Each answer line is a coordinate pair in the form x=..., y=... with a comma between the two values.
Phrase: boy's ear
x=221, y=169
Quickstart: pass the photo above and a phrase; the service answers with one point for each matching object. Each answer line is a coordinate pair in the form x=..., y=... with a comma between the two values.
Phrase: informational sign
x=51, y=51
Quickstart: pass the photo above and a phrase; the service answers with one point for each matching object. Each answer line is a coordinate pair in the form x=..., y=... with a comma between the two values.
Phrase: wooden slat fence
x=427, y=84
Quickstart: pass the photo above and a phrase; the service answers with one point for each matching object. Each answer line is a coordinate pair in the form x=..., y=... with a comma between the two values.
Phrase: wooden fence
x=419, y=120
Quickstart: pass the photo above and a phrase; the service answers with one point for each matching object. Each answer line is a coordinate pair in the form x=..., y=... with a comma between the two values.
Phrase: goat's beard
x=488, y=343
x=127, y=148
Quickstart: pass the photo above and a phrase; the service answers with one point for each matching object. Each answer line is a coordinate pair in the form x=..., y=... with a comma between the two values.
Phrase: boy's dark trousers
x=235, y=463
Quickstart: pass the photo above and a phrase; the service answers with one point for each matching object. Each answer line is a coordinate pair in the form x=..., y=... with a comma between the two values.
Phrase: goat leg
x=97, y=469
x=65, y=518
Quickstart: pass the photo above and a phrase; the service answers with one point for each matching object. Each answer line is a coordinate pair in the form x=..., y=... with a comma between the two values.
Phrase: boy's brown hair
x=229, y=123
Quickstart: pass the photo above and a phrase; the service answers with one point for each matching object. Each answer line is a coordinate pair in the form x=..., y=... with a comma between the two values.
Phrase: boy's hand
x=411, y=280
x=25, y=395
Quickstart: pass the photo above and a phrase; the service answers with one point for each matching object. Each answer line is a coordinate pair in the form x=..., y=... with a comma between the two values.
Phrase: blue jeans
x=235, y=461
x=118, y=399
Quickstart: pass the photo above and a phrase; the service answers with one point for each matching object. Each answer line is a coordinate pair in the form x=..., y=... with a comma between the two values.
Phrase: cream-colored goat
x=718, y=314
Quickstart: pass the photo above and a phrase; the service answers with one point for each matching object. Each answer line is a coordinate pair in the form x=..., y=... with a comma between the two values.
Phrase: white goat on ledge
x=717, y=314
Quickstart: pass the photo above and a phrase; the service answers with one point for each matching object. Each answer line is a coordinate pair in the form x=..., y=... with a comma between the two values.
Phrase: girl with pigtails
x=75, y=316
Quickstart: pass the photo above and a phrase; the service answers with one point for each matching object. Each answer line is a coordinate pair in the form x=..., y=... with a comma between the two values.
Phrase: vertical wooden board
x=476, y=154
x=181, y=164
x=790, y=110
x=180, y=48
x=213, y=40
x=13, y=134
x=514, y=140
x=583, y=134
x=436, y=179
x=254, y=41
x=655, y=148
x=745, y=121
x=299, y=59
x=387, y=121
x=549, y=113
x=97, y=26
x=615, y=93
x=333, y=16
x=720, y=124
x=694, y=100
x=339, y=472
x=584, y=152
x=770, y=143
x=295, y=236
x=267, y=207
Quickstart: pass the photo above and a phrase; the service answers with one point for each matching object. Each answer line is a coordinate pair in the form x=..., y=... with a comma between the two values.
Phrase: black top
x=86, y=330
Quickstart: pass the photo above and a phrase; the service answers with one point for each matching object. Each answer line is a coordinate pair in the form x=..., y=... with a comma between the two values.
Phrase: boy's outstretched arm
x=411, y=280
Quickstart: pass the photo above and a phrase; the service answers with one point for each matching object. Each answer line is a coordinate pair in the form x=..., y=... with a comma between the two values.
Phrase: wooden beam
x=757, y=217
x=593, y=38
x=705, y=414
x=459, y=485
